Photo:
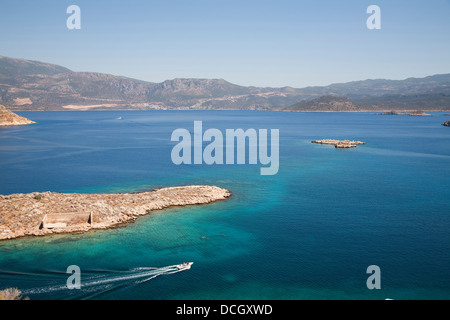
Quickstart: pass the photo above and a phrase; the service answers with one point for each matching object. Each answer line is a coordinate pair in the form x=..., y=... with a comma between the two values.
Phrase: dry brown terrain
x=8, y=118
x=38, y=214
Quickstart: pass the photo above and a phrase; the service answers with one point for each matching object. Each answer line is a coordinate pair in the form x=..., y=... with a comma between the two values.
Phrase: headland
x=39, y=214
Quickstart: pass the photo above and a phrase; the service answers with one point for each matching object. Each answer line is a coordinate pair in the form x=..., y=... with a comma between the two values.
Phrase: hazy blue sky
x=247, y=42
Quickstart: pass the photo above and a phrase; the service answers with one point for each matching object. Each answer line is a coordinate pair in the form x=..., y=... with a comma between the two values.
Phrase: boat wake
x=102, y=282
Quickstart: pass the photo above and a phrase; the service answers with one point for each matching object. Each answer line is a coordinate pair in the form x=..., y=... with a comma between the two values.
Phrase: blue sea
x=309, y=232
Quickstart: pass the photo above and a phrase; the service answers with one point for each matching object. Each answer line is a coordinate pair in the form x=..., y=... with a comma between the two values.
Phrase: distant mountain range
x=32, y=85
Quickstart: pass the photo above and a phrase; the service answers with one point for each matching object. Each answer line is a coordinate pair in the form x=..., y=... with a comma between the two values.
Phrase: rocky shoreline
x=40, y=214
x=8, y=118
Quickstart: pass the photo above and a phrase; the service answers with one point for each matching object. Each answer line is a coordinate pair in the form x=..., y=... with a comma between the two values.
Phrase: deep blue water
x=309, y=232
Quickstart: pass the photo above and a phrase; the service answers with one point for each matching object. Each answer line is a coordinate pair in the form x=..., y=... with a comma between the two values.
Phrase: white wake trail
x=153, y=274
x=135, y=274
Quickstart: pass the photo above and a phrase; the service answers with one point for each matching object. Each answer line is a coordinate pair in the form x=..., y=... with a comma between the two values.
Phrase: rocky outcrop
x=39, y=214
x=419, y=114
x=340, y=144
x=8, y=118
x=446, y=124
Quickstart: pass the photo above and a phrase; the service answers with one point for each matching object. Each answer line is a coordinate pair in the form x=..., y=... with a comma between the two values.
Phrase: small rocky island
x=419, y=114
x=446, y=124
x=412, y=113
x=8, y=118
x=39, y=214
x=340, y=144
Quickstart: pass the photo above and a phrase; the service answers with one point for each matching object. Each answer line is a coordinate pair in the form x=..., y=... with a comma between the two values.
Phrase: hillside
x=325, y=104
x=16, y=68
x=430, y=102
x=376, y=88
x=33, y=85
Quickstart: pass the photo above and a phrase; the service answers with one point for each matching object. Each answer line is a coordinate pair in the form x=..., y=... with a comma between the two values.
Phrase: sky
x=265, y=43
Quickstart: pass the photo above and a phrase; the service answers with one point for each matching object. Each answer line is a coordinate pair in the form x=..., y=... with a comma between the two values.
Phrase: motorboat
x=185, y=266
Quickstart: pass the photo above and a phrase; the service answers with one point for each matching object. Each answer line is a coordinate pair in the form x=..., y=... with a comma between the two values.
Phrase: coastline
x=40, y=214
x=377, y=111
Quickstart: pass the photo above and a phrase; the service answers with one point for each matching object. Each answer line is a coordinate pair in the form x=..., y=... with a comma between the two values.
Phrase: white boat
x=185, y=266
x=119, y=118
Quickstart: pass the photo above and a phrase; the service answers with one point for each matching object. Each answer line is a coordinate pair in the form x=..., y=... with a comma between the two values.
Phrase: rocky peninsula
x=340, y=144
x=8, y=118
x=39, y=214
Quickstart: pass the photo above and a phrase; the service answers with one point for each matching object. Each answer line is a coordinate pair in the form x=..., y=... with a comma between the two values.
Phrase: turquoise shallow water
x=309, y=232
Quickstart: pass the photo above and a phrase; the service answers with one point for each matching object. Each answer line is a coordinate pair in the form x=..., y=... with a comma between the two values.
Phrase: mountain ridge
x=34, y=85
